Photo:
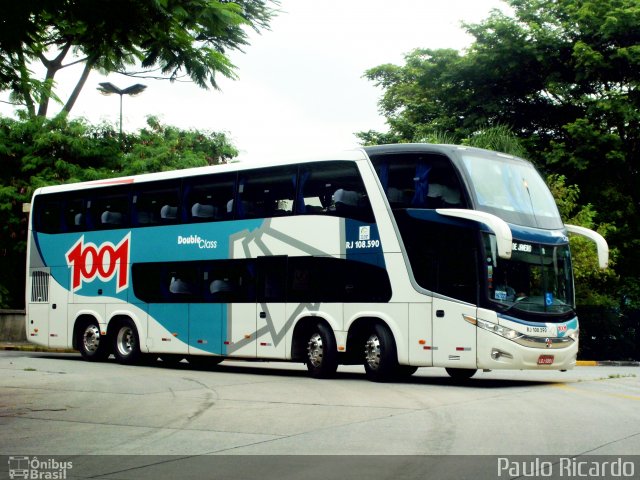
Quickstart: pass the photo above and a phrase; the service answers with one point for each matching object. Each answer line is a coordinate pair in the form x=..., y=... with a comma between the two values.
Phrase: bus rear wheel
x=322, y=356
x=380, y=354
x=93, y=346
x=126, y=343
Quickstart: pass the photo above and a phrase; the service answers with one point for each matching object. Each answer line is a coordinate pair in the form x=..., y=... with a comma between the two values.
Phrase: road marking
x=608, y=394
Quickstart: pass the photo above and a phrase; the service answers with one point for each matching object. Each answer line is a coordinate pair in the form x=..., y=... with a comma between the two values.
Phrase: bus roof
x=399, y=148
x=348, y=155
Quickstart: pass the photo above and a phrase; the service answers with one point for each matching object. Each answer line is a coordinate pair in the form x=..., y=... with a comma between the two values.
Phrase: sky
x=300, y=90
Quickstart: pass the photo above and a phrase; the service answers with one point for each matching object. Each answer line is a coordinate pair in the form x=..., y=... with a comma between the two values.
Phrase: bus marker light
x=422, y=342
x=247, y=336
x=341, y=348
x=35, y=330
x=227, y=342
x=175, y=334
x=463, y=349
x=470, y=319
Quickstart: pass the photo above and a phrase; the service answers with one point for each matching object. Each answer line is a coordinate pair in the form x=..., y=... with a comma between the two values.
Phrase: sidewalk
x=29, y=347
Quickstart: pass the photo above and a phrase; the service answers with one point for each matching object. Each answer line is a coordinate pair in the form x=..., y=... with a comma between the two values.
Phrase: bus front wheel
x=126, y=343
x=322, y=356
x=380, y=354
x=92, y=345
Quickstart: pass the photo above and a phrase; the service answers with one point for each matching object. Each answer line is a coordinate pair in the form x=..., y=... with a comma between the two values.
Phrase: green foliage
x=563, y=76
x=499, y=138
x=168, y=39
x=160, y=148
x=37, y=152
x=592, y=283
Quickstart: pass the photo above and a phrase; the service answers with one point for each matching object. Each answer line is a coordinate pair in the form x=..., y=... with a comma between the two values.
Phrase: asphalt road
x=57, y=404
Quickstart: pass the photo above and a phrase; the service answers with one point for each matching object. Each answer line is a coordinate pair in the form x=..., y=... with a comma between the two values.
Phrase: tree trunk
x=52, y=68
x=88, y=66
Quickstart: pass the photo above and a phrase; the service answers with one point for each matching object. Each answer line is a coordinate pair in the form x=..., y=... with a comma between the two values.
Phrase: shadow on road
x=268, y=369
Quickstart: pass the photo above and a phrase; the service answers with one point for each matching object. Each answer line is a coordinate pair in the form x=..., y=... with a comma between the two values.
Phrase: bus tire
x=322, y=355
x=126, y=343
x=461, y=373
x=93, y=346
x=380, y=354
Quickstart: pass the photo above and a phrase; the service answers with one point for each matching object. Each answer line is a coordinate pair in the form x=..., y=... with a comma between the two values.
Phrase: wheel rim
x=126, y=341
x=91, y=338
x=315, y=350
x=372, y=352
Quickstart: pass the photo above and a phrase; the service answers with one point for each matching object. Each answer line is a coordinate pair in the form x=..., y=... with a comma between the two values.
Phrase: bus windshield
x=537, y=278
x=511, y=189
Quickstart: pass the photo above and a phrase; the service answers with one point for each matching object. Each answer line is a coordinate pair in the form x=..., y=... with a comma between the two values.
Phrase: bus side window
x=206, y=199
x=333, y=188
x=109, y=208
x=416, y=180
x=267, y=192
x=229, y=281
x=155, y=206
x=272, y=279
x=47, y=215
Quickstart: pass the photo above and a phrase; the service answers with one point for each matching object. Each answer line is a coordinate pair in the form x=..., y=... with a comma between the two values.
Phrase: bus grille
x=39, y=287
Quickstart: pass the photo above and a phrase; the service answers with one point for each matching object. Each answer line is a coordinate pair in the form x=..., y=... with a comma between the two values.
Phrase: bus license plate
x=545, y=360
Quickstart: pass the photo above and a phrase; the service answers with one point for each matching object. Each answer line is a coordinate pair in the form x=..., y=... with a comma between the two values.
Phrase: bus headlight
x=498, y=329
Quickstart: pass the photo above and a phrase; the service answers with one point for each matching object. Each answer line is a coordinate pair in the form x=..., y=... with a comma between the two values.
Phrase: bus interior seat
x=346, y=201
x=168, y=212
x=78, y=219
x=179, y=286
x=201, y=210
x=443, y=195
x=111, y=218
x=220, y=290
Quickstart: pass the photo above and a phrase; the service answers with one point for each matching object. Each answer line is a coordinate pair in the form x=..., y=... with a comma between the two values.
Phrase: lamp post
x=107, y=88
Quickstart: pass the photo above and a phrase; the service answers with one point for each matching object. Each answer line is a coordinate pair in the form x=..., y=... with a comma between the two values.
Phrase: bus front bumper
x=535, y=353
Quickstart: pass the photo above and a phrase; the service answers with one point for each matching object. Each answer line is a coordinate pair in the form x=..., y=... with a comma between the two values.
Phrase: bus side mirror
x=500, y=228
x=601, y=243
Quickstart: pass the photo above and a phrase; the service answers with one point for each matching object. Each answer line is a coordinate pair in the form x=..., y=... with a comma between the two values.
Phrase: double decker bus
x=394, y=257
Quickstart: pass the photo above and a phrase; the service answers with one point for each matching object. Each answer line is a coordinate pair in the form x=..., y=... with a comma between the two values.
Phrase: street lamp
x=107, y=88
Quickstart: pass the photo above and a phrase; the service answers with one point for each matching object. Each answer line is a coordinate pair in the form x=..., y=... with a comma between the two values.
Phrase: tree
x=564, y=76
x=39, y=151
x=167, y=39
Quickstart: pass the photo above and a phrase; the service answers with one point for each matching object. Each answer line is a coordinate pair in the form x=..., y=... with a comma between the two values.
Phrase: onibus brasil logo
x=41, y=469
x=89, y=261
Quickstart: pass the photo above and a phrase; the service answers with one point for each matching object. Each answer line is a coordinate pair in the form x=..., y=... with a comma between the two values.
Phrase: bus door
x=271, y=307
x=454, y=337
